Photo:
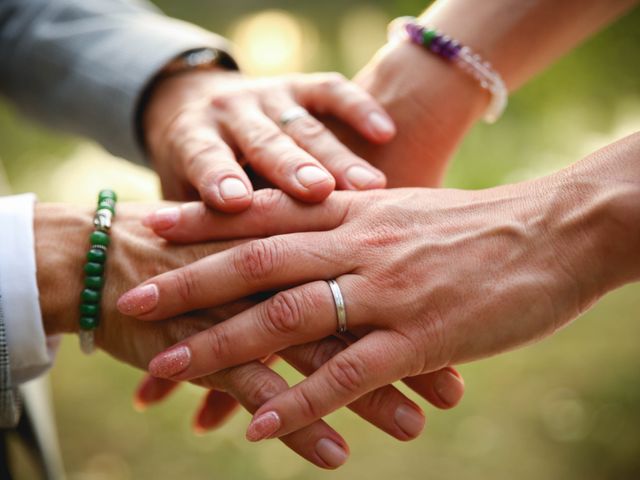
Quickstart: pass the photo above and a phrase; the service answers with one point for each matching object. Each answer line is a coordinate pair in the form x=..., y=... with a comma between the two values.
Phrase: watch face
x=201, y=57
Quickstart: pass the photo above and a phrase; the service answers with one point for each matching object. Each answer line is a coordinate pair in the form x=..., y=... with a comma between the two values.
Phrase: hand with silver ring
x=341, y=311
x=200, y=138
x=428, y=277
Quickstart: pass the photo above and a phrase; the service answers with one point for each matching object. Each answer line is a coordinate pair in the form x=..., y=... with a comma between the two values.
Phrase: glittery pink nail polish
x=263, y=426
x=171, y=362
x=139, y=300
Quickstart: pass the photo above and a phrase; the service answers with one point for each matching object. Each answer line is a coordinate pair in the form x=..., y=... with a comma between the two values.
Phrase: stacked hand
x=202, y=127
x=431, y=278
x=137, y=254
x=197, y=125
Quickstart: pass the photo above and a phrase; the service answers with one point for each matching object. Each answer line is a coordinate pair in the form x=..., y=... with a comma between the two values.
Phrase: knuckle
x=429, y=332
x=260, y=142
x=324, y=351
x=263, y=389
x=185, y=285
x=267, y=200
x=217, y=343
x=251, y=384
x=383, y=234
x=346, y=373
x=225, y=100
x=181, y=124
x=201, y=150
x=332, y=80
x=378, y=401
x=307, y=407
x=307, y=128
x=258, y=259
x=283, y=314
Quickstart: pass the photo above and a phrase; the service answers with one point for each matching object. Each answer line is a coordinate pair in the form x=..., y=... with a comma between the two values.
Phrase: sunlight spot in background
x=565, y=415
x=477, y=435
x=105, y=466
x=273, y=42
x=362, y=32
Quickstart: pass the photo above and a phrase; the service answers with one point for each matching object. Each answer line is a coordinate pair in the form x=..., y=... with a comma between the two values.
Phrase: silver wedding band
x=338, y=300
x=293, y=114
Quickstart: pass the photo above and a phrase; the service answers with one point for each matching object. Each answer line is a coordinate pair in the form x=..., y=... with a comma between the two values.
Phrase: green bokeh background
x=566, y=408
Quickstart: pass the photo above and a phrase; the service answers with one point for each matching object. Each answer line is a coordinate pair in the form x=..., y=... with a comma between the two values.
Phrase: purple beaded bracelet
x=451, y=50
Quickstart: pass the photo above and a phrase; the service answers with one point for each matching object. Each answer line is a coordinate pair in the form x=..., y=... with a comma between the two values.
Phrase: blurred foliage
x=565, y=408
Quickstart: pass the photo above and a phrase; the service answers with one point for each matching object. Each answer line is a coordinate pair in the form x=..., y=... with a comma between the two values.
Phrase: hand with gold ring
x=202, y=127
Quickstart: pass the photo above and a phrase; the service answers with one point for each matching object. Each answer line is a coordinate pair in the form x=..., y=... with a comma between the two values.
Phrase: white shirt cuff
x=30, y=352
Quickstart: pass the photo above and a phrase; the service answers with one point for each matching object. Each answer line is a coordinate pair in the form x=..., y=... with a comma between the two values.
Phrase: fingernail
x=198, y=428
x=449, y=387
x=205, y=419
x=142, y=398
x=201, y=423
x=232, y=188
x=381, y=125
x=331, y=453
x=139, y=300
x=162, y=219
x=199, y=431
x=409, y=420
x=310, y=175
x=171, y=362
x=361, y=177
x=139, y=405
x=263, y=426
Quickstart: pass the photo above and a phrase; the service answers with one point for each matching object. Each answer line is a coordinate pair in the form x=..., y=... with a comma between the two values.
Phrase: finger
x=386, y=408
x=254, y=384
x=290, y=317
x=370, y=363
x=257, y=266
x=216, y=409
x=211, y=166
x=152, y=390
x=443, y=389
x=333, y=93
x=271, y=213
x=350, y=171
x=275, y=156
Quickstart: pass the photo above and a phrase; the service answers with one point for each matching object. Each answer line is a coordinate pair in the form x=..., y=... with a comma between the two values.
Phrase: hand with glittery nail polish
x=136, y=254
x=426, y=278
x=202, y=127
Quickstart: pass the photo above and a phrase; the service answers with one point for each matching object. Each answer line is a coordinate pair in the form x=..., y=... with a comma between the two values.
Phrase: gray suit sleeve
x=9, y=400
x=82, y=65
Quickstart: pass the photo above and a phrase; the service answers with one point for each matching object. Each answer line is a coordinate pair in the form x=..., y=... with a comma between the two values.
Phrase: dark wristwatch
x=198, y=59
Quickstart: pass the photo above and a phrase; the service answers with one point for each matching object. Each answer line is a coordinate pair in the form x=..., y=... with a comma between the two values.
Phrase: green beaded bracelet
x=94, y=269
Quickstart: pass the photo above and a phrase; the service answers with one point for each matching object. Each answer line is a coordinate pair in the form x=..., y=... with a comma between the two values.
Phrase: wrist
x=433, y=105
x=595, y=218
x=61, y=233
x=406, y=77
